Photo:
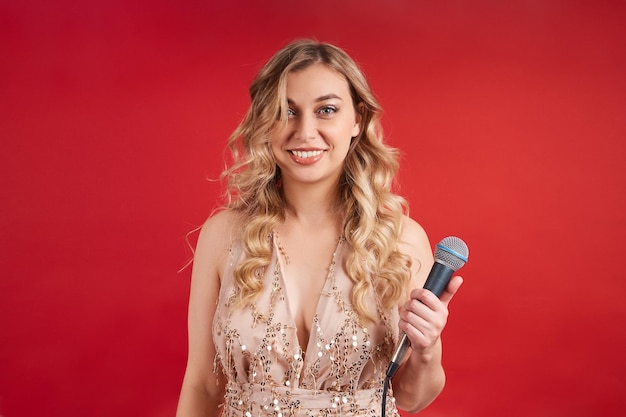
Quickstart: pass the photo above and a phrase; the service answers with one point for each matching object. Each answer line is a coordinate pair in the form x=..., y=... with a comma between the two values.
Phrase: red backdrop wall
x=511, y=119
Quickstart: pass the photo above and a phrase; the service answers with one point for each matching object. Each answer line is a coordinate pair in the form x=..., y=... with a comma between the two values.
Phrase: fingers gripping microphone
x=450, y=255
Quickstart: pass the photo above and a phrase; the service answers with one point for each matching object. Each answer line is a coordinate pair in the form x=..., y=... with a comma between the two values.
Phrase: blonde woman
x=302, y=284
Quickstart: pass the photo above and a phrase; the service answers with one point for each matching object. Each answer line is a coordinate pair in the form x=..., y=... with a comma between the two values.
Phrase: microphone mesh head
x=452, y=252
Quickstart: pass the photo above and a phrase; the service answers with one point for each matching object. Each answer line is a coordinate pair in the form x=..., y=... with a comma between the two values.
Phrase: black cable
x=385, y=388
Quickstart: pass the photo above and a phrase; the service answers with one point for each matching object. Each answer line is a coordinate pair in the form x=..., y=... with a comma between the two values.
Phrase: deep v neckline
x=321, y=297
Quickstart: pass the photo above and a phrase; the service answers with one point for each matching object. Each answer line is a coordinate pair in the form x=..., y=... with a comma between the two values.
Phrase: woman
x=312, y=260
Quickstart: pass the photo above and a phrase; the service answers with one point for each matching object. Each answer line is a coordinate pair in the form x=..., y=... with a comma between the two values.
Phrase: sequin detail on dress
x=341, y=370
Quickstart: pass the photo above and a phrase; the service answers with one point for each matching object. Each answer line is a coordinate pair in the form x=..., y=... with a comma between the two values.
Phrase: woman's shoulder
x=413, y=232
x=225, y=220
x=415, y=243
x=218, y=233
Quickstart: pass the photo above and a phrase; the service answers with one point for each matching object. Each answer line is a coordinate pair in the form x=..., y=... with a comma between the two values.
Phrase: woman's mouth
x=306, y=154
x=306, y=157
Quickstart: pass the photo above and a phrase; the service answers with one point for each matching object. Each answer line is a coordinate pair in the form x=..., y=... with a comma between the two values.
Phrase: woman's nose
x=306, y=127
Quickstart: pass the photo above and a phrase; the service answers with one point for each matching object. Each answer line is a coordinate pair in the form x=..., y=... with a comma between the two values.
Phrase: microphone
x=450, y=255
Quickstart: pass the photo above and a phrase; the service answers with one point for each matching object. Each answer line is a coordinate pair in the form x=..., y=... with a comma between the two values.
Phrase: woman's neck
x=311, y=204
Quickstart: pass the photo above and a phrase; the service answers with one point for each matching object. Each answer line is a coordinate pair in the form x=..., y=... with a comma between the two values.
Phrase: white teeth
x=306, y=154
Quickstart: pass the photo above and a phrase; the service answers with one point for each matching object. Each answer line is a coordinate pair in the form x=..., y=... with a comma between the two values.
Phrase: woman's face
x=322, y=121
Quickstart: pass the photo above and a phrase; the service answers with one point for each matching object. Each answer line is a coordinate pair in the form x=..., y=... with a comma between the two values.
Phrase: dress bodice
x=339, y=372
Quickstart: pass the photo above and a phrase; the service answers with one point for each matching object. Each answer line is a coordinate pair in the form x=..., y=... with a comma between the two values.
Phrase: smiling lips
x=306, y=157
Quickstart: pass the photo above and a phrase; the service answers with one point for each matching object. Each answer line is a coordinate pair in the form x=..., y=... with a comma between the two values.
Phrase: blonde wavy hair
x=372, y=212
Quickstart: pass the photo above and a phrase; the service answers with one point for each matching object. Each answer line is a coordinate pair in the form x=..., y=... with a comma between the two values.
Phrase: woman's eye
x=327, y=110
x=290, y=113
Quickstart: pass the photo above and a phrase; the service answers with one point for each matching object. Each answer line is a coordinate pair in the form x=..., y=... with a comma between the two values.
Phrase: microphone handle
x=438, y=278
x=437, y=281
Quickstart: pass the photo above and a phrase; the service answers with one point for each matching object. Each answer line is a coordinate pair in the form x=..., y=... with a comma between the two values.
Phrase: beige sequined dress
x=339, y=373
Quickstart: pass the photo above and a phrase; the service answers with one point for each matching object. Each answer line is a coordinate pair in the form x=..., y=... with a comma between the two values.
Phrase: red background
x=511, y=116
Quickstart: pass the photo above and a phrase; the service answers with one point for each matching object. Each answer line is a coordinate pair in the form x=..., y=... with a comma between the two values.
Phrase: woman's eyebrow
x=321, y=98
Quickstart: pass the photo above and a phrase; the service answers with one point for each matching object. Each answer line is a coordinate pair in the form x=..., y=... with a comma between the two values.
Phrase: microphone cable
x=385, y=389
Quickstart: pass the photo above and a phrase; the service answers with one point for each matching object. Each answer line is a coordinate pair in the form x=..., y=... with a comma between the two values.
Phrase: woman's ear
x=358, y=118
